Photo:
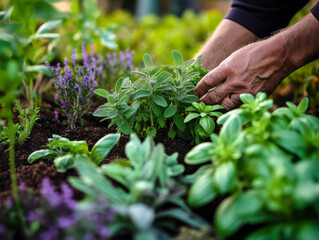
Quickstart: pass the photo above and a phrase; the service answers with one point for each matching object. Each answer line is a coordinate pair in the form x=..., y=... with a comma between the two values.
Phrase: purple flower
x=52, y=80
x=56, y=115
x=122, y=59
x=76, y=86
x=89, y=237
x=67, y=197
x=47, y=64
x=56, y=97
x=49, y=193
x=2, y=229
x=22, y=186
x=9, y=203
x=68, y=75
x=95, y=84
x=73, y=57
x=93, y=59
x=64, y=104
x=66, y=61
x=85, y=57
x=70, y=116
x=104, y=232
x=65, y=222
x=32, y=216
x=100, y=69
x=50, y=234
x=129, y=58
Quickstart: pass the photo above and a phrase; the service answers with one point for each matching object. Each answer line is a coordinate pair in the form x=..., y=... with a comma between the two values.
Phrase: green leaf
x=226, y=220
x=64, y=162
x=225, y=177
x=119, y=84
x=101, y=112
x=291, y=141
x=189, y=99
x=179, y=121
x=38, y=154
x=142, y=216
x=231, y=129
x=190, y=117
x=39, y=68
x=207, y=124
x=184, y=216
x=141, y=94
x=102, y=92
x=117, y=172
x=48, y=26
x=188, y=63
x=160, y=101
x=170, y=111
x=111, y=99
x=178, y=58
x=199, y=154
x=148, y=60
x=202, y=191
x=247, y=98
x=303, y=105
x=47, y=35
x=103, y=147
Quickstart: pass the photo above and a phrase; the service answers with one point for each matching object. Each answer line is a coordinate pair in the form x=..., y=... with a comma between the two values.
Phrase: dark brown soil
x=91, y=132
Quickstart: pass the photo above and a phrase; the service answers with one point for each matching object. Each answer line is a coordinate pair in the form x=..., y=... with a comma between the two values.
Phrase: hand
x=261, y=66
x=258, y=67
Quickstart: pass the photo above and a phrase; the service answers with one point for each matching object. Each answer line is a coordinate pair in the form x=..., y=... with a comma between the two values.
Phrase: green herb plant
x=31, y=35
x=200, y=116
x=148, y=195
x=66, y=153
x=197, y=68
x=260, y=162
x=27, y=118
x=158, y=99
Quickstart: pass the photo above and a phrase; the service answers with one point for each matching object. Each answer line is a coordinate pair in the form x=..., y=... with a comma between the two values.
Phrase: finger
x=217, y=95
x=213, y=78
x=231, y=102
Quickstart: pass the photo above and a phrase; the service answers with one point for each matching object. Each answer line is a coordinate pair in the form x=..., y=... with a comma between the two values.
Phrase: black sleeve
x=315, y=11
x=262, y=17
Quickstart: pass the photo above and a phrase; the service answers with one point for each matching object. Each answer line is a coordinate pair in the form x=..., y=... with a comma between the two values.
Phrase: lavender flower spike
x=122, y=59
x=85, y=57
x=73, y=57
x=49, y=193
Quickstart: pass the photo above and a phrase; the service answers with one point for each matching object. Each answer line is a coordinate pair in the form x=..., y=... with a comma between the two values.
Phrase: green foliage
x=202, y=125
x=27, y=118
x=197, y=68
x=267, y=164
x=148, y=197
x=158, y=99
x=23, y=21
x=66, y=153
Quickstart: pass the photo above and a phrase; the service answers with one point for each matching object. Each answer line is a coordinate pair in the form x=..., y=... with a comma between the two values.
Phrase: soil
x=91, y=132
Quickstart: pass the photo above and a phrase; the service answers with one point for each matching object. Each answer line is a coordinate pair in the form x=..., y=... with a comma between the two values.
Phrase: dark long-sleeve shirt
x=263, y=17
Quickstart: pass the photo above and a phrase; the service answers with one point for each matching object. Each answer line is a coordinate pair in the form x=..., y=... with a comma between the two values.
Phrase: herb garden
x=102, y=136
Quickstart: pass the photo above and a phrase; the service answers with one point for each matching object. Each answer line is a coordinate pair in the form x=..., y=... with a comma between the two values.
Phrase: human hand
x=258, y=67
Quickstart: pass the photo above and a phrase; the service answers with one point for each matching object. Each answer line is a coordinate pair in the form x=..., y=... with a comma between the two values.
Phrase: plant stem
x=13, y=176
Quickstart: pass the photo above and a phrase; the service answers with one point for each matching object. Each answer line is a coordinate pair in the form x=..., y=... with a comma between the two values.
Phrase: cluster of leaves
x=75, y=84
x=27, y=118
x=158, y=99
x=29, y=35
x=147, y=198
x=197, y=68
x=267, y=164
x=55, y=216
x=66, y=153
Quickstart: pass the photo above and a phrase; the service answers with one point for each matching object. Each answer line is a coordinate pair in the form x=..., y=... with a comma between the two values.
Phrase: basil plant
x=66, y=153
x=265, y=167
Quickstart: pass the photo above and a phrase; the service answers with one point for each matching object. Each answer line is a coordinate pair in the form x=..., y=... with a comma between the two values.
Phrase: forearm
x=227, y=38
x=301, y=41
